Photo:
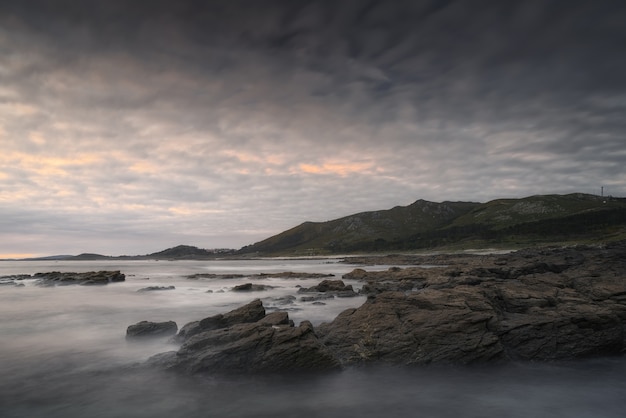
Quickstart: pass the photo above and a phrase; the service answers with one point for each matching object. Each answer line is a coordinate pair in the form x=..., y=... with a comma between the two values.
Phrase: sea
x=63, y=353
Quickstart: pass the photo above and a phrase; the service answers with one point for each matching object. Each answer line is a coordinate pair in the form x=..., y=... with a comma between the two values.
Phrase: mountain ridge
x=424, y=224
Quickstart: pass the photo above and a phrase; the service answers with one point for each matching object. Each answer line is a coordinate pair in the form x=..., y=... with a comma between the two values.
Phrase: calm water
x=63, y=354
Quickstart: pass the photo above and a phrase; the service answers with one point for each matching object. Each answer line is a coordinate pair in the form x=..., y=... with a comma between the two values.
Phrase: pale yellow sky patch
x=61, y=126
x=18, y=255
x=46, y=166
x=31, y=160
x=336, y=168
x=181, y=211
x=17, y=109
x=187, y=211
x=144, y=167
x=37, y=137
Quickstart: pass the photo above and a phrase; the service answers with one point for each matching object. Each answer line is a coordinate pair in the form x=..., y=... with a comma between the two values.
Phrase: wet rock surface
x=251, y=287
x=87, y=278
x=328, y=289
x=156, y=288
x=281, y=275
x=252, y=312
x=148, y=329
x=538, y=304
x=247, y=340
x=535, y=304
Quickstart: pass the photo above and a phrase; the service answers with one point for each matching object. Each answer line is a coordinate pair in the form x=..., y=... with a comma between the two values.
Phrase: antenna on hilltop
x=602, y=191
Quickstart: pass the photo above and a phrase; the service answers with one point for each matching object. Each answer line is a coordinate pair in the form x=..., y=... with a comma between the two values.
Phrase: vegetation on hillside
x=421, y=225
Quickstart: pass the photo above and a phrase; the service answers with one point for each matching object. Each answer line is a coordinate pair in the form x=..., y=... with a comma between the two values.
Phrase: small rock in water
x=151, y=288
x=251, y=287
x=147, y=329
x=331, y=287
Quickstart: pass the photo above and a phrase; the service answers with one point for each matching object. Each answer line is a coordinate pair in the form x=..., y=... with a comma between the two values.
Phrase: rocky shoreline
x=540, y=304
x=56, y=278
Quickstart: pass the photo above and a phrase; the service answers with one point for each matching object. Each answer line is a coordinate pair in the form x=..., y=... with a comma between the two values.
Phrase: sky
x=129, y=127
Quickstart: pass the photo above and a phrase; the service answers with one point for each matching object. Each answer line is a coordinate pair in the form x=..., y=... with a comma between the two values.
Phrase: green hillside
x=423, y=224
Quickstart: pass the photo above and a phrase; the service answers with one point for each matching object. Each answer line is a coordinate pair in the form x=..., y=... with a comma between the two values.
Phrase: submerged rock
x=11, y=283
x=251, y=287
x=147, y=329
x=153, y=288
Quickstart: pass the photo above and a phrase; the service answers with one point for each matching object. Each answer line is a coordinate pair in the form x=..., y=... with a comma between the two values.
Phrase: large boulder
x=270, y=344
x=251, y=312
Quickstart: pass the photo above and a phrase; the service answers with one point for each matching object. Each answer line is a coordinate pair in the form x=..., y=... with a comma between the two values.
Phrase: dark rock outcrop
x=235, y=343
x=281, y=275
x=252, y=312
x=251, y=287
x=329, y=289
x=293, y=275
x=156, y=288
x=212, y=276
x=541, y=304
x=427, y=327
x=147, y=329
x=88, y=278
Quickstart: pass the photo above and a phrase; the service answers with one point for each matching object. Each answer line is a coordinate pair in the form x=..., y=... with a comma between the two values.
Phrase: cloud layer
x=128, y=127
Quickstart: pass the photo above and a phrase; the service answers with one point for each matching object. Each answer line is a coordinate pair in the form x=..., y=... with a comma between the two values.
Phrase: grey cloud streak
x=220, y=123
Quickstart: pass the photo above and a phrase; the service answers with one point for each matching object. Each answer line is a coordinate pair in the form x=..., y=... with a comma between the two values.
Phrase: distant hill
x=88, y=256
x=50, y=257
x=423, y=224
x=182, y=252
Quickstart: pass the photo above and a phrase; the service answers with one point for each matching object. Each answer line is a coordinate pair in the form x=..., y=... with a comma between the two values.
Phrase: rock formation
x=539, y=305
x=88, y=278
x=156, y=288
x=543, y=304
x=251, y=287
x=328, y=289
x=147, y=329
x=247, y=340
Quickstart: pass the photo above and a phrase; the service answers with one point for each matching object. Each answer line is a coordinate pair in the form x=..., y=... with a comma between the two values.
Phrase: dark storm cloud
x=242, y=118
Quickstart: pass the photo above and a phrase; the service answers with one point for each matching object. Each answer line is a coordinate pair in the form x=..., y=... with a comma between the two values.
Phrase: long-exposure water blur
x=63, y=353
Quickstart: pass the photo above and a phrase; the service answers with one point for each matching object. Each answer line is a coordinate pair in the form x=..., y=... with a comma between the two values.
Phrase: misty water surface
x=63, y=354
